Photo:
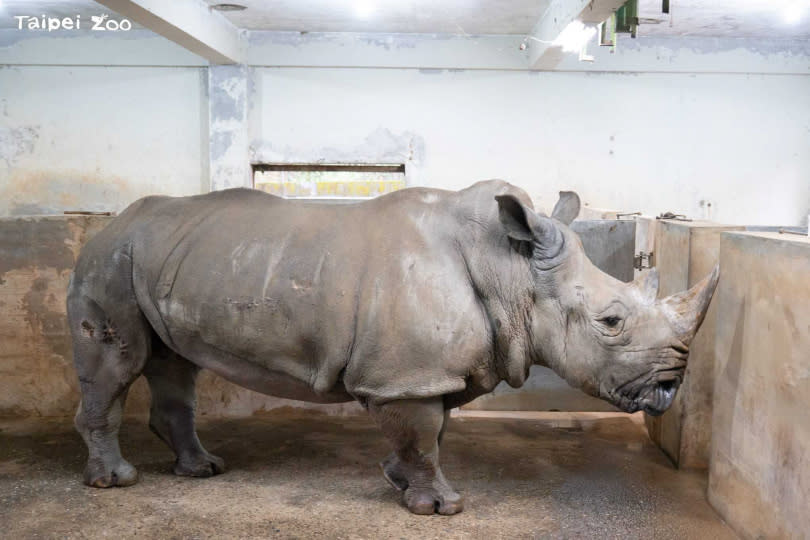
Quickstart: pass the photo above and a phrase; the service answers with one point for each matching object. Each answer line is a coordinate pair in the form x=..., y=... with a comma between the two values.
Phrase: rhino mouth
x=660, y=397
x=653, y=394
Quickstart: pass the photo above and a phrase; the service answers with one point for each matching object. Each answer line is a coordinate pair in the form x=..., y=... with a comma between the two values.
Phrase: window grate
x=318, y=181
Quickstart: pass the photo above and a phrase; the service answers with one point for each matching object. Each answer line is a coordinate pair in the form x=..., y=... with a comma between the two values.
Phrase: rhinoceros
x=412, y=304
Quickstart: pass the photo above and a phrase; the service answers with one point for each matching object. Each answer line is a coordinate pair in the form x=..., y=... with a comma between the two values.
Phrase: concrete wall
x=37, y=377
x=97, y=138
x=36, y=370
x=610, y=244
x=685, y=253
x=649, y=142
x=759, y=479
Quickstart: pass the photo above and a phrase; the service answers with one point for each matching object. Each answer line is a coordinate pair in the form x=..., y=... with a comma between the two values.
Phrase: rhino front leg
x=393, y=469
x=414, y=428
x=172, y=381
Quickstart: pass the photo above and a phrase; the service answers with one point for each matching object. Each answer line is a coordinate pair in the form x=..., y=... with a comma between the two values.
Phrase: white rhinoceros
x=412, y=304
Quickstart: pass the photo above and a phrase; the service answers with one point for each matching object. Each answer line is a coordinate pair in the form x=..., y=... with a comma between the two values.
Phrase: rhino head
x=614, y=340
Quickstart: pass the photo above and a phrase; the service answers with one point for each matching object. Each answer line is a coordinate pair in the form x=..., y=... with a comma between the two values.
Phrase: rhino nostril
x=667, y=386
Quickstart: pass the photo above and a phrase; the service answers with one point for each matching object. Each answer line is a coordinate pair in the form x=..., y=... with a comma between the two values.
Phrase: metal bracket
x=673, y=217
x=797, y=232
x=641, y=258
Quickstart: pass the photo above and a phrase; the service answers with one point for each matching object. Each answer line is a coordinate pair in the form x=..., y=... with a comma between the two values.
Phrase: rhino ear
x=524, y=224
x=518, y=220
x=567, y=208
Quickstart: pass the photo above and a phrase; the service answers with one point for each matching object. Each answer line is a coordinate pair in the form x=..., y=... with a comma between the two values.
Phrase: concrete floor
x=298, y=474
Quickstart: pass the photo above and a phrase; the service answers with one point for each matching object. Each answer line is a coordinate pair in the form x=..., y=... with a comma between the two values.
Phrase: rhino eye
x=610, y=322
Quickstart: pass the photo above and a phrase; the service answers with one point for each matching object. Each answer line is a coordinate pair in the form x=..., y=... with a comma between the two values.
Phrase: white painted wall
x=666, y=125
x=98, y=138
x=651, y=142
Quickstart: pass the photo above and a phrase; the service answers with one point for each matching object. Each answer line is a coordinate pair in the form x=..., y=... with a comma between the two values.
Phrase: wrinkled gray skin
x=412, y=303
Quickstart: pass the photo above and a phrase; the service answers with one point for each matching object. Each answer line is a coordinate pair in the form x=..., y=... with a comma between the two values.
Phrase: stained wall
x=97, y=138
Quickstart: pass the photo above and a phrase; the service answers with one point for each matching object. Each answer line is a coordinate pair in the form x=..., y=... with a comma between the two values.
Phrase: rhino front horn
x=686, y=310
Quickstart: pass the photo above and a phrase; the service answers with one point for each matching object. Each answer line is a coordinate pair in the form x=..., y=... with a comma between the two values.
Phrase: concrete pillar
x=229, y=141
x=759, y=479
x=685, y=252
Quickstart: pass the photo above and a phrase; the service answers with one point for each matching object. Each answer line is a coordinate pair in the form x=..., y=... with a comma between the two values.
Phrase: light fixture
x=363, y=8
x=228, y=7
x=575, y=36
x=793, y=12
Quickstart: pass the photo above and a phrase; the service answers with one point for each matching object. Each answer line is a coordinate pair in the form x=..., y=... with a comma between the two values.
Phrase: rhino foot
x=426, y=501
x=200, y=466
x=103, y=475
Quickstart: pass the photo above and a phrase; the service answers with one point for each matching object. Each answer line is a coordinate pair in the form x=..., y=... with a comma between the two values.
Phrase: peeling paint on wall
x=708, y=45
x=228, y=121
x=97, y=139
x=52, y=191
x=15, y=142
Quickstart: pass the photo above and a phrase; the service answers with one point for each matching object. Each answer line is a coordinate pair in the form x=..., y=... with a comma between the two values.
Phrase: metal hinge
x=641, y=258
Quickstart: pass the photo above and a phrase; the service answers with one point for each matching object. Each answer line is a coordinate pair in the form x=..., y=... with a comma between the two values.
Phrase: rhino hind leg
x=414, y=427
x=110, y=350
x=172, y=381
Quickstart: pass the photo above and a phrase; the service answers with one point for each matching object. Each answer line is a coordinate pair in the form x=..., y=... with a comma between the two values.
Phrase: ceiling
x=407, y=16
x=776, y=19
x=706, y=18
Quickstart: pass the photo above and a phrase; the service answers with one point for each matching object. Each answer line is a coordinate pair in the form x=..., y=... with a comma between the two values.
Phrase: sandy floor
x=294, y=474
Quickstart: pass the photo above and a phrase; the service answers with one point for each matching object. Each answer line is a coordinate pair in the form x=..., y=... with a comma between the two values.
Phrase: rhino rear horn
x=567, y=208
x=686, y=310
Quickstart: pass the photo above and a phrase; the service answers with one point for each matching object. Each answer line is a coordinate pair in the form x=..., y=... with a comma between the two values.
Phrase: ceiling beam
x=545, y=52
x=189, y=23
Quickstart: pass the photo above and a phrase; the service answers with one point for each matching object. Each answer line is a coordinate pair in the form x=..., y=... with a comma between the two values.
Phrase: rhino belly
x=260, y=376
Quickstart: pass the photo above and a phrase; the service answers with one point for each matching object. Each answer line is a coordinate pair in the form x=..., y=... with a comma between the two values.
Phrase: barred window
x=336, y=182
